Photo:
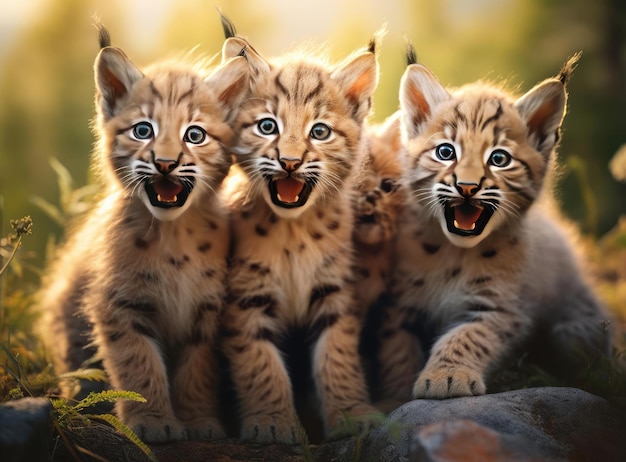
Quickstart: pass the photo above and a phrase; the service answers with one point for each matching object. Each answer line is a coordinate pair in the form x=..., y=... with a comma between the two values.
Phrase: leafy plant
x=68, y=417
x=73, y=201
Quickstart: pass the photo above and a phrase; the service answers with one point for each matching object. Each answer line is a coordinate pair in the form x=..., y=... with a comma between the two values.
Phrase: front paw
x=271, y=429
x=156, y=429
x=208, y=429
x=450, y=382
x=358, y=420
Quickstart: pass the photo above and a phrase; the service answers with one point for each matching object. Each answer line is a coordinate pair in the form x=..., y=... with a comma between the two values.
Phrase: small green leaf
x=126, y=431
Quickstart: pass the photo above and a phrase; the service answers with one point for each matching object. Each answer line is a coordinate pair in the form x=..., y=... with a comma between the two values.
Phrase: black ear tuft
x=411, y=55
x=104, y=38
x=227, y=25
x=568, y=68
x=371, y=46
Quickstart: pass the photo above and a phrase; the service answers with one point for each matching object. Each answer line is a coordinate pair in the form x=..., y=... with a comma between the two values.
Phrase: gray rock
x=25, y=430
x=553, y=424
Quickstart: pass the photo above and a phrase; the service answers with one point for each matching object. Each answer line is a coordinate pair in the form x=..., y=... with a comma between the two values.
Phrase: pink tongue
x=466, y=215
x=167, y=190
x=288, y=189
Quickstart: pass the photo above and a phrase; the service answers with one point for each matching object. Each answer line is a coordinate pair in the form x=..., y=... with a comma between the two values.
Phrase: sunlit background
x=47, y=48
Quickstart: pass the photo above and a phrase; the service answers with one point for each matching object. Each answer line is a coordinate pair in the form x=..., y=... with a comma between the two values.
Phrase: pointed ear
x=420, y=93
x=237, y=46
x=230, y=81
x=542, y=109
x=115, y=76
x=389, y=132
x=357, y=80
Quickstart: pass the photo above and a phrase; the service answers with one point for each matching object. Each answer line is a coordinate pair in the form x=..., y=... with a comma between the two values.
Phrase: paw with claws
x=449, y=382
x=271, y=429
x=156, y=429
x=208, y=429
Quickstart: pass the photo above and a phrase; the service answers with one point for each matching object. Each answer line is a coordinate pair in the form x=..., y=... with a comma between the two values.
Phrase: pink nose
x=165, y=166
x=467, y=189
x=290, y=164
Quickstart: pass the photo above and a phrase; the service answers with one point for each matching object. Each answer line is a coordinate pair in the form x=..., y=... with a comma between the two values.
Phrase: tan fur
x=291, y=266
x=481, y=293
x=151, y=279
x=378, y=200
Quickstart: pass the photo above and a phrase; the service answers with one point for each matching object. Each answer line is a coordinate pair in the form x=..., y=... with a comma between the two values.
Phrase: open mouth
x=366, y=219
x=167, y=193
x=289, y=193
x=466, y=219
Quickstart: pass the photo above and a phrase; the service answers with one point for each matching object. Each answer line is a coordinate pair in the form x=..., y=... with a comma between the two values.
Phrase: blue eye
x=500, y=158
x=143, y=131
x=195, y=135
x=320, y=131
x=445, y=152
x=267, y=126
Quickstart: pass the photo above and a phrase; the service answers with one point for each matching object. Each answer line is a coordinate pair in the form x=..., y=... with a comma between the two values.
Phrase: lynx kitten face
x=165, y=131
x=479, y=159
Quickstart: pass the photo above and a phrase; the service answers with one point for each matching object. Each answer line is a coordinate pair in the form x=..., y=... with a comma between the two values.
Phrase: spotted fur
x=292, y=253
x=378, y=200
x=482, y=263
x=147, y=267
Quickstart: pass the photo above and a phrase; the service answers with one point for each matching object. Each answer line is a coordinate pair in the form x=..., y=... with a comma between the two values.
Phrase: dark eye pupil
x=195, y=135
x=445, y=152
x=500, y=159
x=386, y=185
x=142, y=131
x=320, y=131
x=267, y=126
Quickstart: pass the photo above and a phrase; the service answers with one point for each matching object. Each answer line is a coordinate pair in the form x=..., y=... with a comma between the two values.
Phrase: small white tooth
x=160, y=199
x=279, y=198
x=473, y=226
x=297, y=198
x=456, y=224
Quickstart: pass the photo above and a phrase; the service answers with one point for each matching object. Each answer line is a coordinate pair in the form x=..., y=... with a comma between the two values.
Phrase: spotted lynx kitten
x=148, y=265
x=377, y=202
x=480, y=258
x=299, y=138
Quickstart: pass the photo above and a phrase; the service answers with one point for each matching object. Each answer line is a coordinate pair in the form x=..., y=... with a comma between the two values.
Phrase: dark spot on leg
x=260, y=230
x=480, y=280
x=449, y=383
x=205, y=246
x=321, y=292
x=431, y=248
x=489, y=253
x=141, y=243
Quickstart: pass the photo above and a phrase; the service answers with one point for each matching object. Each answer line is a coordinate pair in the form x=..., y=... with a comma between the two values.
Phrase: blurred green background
x=47, y=48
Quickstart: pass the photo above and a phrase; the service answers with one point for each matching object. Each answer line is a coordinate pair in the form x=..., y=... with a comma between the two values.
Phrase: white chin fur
x=467, y=242
x=164, y=214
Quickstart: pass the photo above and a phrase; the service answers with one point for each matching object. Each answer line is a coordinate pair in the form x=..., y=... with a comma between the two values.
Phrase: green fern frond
x=107, y=396
x=125, y=430
x=92, y=375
